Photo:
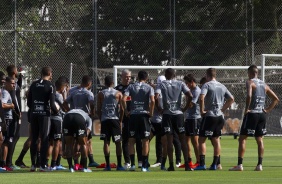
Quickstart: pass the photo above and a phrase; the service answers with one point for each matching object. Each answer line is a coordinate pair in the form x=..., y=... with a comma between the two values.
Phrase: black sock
x=144, y=161
x=53, y=163
x=163, y=161
x=259, y=160
x=171, y=164
x=2, y=163
x=21, y=156
x=107, y=158
x=38, y=159
x=215, y=160
x=119, y=160
x=202, y=160
x=70, y=162
x=218, y=162
x=83, y=162
x=240, y=160
x=75, y=161
x=189, y=159
x=91, y=158
x=132, y=159
x=58, y=161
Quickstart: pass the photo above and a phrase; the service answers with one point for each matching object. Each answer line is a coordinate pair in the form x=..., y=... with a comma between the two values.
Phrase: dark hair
x=62, y=80
x=10, y=69
x=46, y=71
x=9, y=79
x=211, y=72
x=190, y=78
x=142, y=75
x=203, y=80
x=2, y=74
x=169, y=73
x=253, y=69
x=86, y=79
x=109, y=80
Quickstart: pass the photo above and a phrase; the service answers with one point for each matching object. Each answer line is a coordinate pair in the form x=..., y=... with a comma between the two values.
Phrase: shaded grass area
x=272, y=165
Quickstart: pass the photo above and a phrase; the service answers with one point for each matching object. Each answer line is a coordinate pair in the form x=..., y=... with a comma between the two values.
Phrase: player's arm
x=274, y=99
x=202, y=104
x=52, y=100
x=8, y=106
x=121, y=109
x=188, y=98
x=249, y=86
x=152, y=105
x=100, y=99
x=228, y=103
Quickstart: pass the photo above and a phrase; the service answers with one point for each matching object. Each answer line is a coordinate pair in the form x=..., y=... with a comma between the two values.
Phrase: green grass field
x=272, y=165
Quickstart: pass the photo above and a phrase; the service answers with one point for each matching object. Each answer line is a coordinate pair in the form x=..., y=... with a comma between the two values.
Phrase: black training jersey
x=122, y=88
x=41, y=98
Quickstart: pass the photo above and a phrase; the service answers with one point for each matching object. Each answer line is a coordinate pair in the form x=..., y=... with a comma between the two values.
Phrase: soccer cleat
x=219, y=167
x=140, y=164
x=93, y=164
x=107, y=168
x=200, y=168
x=188, y=168
x=8, y=168
x=45, y=169
x=77, y=167
x=20, y=164
x=213, y=167
x=126, y=166
x=170, y=169
x=237, y=168
x=132, y=168
x=71, y=170
x=120, y=168
x=178, y=164
x=53, y=168
x=144, y=169
x=195, y=165
x=32, y=168
x=2, y=169
x=60, y=167
x=258, y=167
x=163, y=168
x=157, y=164
x=86, y=170
x=14, y=167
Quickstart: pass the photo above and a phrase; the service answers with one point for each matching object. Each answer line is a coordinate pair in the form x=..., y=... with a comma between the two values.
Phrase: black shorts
x=211, y=126
x=254, y=124
x=8, y=134
x=172, y=123
x=56, y=129
x=74, y=125
x=192, y=126
x=110, y=128
x=139, y=126
x=125, y=128
x=156, y=128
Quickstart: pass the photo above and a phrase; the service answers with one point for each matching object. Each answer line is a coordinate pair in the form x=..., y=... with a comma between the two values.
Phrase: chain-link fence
x=94, y=35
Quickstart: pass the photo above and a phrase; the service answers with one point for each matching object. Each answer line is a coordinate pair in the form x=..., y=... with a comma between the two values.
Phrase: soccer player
x=173, y=119
x=141, y=109
x=8, y=107
x=255, y=116
x=41, y=99
x=15, y=94
x=111, y=113
x=156, y=130
x=2, y=119
x=193, y=119
x=81, y=97
x=214, y=100
x=125, y=81
x=56, y=123
x=76, y=125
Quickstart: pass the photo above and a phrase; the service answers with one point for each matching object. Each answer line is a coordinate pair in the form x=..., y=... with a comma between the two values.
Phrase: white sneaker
x=126, y=166
x=140, y=164
x=258, y=167
x=132, y=168
x=46, y=169
x=237, y=168
x=86, y=170
x=178, y=164
x=156, y=164
x=32, y=168
x=219, y=167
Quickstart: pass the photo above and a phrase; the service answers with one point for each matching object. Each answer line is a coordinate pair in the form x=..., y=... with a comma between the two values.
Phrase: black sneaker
x=20, y=164
x=170, y=169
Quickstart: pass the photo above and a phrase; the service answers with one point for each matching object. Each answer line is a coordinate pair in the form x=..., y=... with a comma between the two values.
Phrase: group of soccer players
x=130, y=113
